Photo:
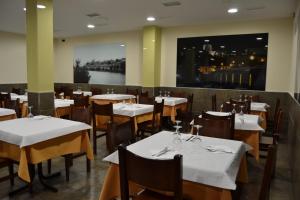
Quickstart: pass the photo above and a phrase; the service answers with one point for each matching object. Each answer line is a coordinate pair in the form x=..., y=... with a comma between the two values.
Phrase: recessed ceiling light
x=266, y=46
x=259, y=38
x=24, y=9
x=151, y=19
x=41, y=6
x=206, y=40
x=90, y=26
x=122, y=45
x=232, y=10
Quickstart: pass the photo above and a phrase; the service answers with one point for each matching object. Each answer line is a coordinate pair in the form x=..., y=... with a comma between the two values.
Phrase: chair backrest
x=132, y=92
x=102, y=110
x=146, y=100
x=218, y=128
x=16, y=91
x=13, y=104
x=80, y=114
x=277, y=106
x=254, y=98
x=268, y=173
x=81, y=101
x=96, y=91
x=214, y=102
x=4, y=97
x=120, y=134
x=158, y=111
x=68, y=92
x=168, y=173
x=144, y=94
x=178, y=94
x=190, y=100
x=278, y=121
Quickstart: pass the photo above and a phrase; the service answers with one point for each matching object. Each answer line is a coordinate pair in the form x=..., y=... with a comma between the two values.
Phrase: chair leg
x=49, y=166
x=11, y=173
x=88, y=165
x=67, y=167
x=95, y=142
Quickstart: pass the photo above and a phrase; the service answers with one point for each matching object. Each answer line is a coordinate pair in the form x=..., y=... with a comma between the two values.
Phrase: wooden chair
x=16, y=91
x=190, y=101
x=96, y=91
x=132, y=92
x=214, y=102
x=117, y=134
x=178, y=94
x=105, y=110
x=3, y=98
x=139, y=170
x=155, y=125
x=186, y=116
x=270, y=122
x=68, y=92
x=13, y=104
x=146, y=100
x=80, y=114
x=81, y=101
x=269, y=172
x=218, y=128
x=9, y=164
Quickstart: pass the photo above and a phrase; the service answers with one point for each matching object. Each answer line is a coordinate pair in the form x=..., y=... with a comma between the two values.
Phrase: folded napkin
x=219, y=149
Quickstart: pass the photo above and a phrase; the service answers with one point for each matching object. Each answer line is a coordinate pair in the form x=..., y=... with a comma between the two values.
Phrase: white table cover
x=59, y=103
x=113, y=96
x=245, y=122
x=85, y=93
x=216, y=169
x=171, y=101
x=28, y=131
x=23, y=98
x=5, y=111
x=131, y=110
x=258, y=106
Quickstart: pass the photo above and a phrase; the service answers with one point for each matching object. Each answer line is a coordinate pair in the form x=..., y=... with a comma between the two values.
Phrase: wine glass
x=168, y=93
x=160, y=92
x=165, y=93
x=30, y=115
x=233, y=110
x=177, y=126
x=112, y=91
x=107, y=91
x=241, y=97
x=241, y=112
x=198, y=128
x=221, y=107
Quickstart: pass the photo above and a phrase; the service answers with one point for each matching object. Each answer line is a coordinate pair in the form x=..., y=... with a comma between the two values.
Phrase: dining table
x=124, y=111
x=113, y=98
x=171, y=104
x=7, y=114
x=247, y=128
x=30, y=141
x=210, y=166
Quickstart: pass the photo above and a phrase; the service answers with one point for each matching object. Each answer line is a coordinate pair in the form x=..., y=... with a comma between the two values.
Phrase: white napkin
x=219, y=149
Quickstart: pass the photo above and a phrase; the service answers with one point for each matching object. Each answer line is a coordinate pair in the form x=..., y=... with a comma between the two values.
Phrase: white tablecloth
x=28, y=131
x=5, y=111
x=171, y=101
x=85, y=93
x=257, y=106
x=216, y=169
x=113, y=97
x=245, y=122
x=131, y=110
x=59, y=103
x=23, y=98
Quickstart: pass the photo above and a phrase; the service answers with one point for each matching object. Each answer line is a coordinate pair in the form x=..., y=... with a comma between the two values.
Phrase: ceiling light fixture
x=151, y=19
x=90, y=26
x=39, y=6
x=206, y=40
x=259, y=38
x=122, y=45
x=232, y=10
x=222, y=47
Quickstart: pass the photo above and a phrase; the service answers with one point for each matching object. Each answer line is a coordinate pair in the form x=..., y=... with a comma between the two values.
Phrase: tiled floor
x=88, y=187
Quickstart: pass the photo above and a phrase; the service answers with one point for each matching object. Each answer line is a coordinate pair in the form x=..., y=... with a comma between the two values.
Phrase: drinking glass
x=165, y=93
x=198, y=128
x=241, y=112
x=160, y=92
x=112, y=91
x=221, y=107
x=107, y=91
x=168, y=93
x=30, y=115
x=233, y=110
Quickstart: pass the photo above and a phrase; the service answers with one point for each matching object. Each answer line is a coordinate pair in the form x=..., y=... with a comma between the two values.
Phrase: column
x=39, y=23
x=151, y=56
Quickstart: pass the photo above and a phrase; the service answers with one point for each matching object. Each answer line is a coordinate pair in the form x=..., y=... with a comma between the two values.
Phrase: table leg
x=42, y=177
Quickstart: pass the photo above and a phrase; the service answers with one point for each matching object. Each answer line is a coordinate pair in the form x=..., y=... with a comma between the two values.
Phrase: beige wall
x=279, y=53
x=64, y=52
x=12, y=58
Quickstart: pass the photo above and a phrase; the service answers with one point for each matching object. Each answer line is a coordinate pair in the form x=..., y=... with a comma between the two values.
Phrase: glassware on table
x=168, y=93
x=242, y=108
x=30, y=115
x=221, y=107
x=107, y=91
x=160, y=93
x=112, y=91
x=233, y=109
x=197, y=126
x=165, y=93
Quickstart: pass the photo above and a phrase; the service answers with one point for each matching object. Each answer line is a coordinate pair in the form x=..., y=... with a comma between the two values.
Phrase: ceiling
x=123, y=15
